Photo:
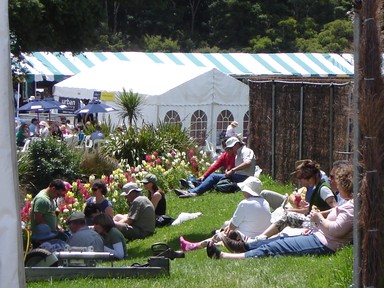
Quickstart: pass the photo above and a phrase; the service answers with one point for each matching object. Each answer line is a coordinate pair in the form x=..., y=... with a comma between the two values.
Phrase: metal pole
x=356, y=134
x=301, y=121
x=273, y=128
x=331, y=122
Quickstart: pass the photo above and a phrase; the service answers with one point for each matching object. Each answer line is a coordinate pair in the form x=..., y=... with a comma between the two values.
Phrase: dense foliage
x=196, y=25
x=46, y=160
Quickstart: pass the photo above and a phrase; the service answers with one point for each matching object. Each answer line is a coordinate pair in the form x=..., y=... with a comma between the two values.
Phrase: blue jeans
x=295, y=245
x=212, y=180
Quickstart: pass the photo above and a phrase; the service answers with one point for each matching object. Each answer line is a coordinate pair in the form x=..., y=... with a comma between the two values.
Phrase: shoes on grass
x=186, y=184
x=212, y=251
x=180, y=192
x=233, y=245
x=188, y=195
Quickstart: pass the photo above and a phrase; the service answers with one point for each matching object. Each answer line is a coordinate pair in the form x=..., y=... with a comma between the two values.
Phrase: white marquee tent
x=183, y=89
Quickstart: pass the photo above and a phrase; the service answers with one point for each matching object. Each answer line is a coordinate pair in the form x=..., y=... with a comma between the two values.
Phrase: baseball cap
x=75, y=216
x=149, y=178
x=129, y=187
x=231, y=142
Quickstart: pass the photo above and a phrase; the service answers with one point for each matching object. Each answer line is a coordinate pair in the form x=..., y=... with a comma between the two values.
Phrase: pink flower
x=173, y=153
x=191, y=153
x=148, y=158
x=155, y=154
x=158, y=161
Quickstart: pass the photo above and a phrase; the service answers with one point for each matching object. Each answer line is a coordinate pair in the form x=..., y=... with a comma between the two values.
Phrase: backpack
x=226, y=185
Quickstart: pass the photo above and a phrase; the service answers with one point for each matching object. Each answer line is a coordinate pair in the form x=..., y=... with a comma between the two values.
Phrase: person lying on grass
x=329, y=235
x=251, y=217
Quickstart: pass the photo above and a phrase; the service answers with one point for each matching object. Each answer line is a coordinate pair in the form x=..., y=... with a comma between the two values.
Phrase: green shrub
x=46, y=160
x=97, y=164
x=135, y=143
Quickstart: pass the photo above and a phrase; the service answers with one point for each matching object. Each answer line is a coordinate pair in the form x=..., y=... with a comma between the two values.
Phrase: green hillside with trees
x=188, y=26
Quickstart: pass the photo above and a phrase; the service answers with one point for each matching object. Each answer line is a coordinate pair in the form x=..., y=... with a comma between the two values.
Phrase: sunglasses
x=94, y=189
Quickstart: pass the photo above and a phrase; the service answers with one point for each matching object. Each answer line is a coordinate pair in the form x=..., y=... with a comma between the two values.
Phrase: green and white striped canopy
x=59, y=66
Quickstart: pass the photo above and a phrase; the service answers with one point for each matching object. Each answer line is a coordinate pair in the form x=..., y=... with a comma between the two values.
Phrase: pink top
x=340, y=231
x=225, y=160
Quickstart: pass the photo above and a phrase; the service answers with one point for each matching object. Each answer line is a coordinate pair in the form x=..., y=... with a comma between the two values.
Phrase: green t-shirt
x=47, y=207
x=115, y=236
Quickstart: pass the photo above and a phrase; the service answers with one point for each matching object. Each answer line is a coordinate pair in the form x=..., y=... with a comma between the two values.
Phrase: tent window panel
x=223, y=120
x=172, y=117
x=246, y=126
x=199, y=127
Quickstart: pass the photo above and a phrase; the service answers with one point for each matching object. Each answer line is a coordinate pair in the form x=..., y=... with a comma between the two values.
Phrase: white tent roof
x=200, y=85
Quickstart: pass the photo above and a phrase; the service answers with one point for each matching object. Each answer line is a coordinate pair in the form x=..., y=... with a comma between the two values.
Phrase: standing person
x=34, y=127
x=43, y=207
x=99, y=190
x=209, y=179
x=231, y=129
x=97, y=134
x=22, y=135
x=139, y=223
x=330, y=233
x=114, y=241
x=251, y=217
x=43, y=129
x=82, y=235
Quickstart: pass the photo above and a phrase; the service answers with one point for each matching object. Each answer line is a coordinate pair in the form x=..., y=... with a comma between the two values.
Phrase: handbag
x=226, y=185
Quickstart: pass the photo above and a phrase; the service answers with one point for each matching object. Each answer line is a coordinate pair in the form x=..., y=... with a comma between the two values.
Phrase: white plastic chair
x=88, y=143
x=97, y=143
x=26, y=146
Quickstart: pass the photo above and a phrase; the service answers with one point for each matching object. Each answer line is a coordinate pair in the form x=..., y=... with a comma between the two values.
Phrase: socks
x=188, y=246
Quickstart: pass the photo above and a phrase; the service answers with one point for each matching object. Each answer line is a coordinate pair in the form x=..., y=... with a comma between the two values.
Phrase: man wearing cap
x=82, y=236
x=210, y=179
x=245, y=160
x=44, y=205
x=139, y=223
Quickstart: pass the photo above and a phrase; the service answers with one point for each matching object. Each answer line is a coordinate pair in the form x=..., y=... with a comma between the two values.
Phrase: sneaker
x=187, y=246
x=181, y=192
x=235, y=235
x=188, y=195
x=212, y=251
x=186, y=184
x=233, y=245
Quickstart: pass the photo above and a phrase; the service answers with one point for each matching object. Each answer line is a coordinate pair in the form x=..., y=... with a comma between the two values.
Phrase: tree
x=54, y=25
x=131, y=104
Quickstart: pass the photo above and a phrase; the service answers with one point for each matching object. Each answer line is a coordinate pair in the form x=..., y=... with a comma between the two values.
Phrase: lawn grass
x=197, y=270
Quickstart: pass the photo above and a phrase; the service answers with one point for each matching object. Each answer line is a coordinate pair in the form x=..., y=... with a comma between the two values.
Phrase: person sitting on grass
x=99, y=190
x=82, y=235
x=208, y=180
x=114, y=241
x=251, y=217
x=140, y=222
x=322, y=197
x=329, y=234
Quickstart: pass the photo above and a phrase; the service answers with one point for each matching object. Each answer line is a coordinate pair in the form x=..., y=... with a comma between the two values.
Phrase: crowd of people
x=318, y=220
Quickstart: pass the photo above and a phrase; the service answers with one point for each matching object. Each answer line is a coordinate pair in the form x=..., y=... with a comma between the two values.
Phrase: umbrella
x=95, y=106
x=57, y=103
x=38, y=105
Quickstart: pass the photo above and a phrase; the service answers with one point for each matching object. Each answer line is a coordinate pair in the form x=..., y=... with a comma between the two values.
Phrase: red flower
x=191, y=153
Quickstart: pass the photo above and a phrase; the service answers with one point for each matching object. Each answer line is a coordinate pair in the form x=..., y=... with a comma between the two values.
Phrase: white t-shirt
x=252, y=216
x=245, y=154
x=230, y=131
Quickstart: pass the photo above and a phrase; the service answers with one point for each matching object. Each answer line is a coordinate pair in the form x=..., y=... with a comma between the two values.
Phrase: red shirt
x=225, y=160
